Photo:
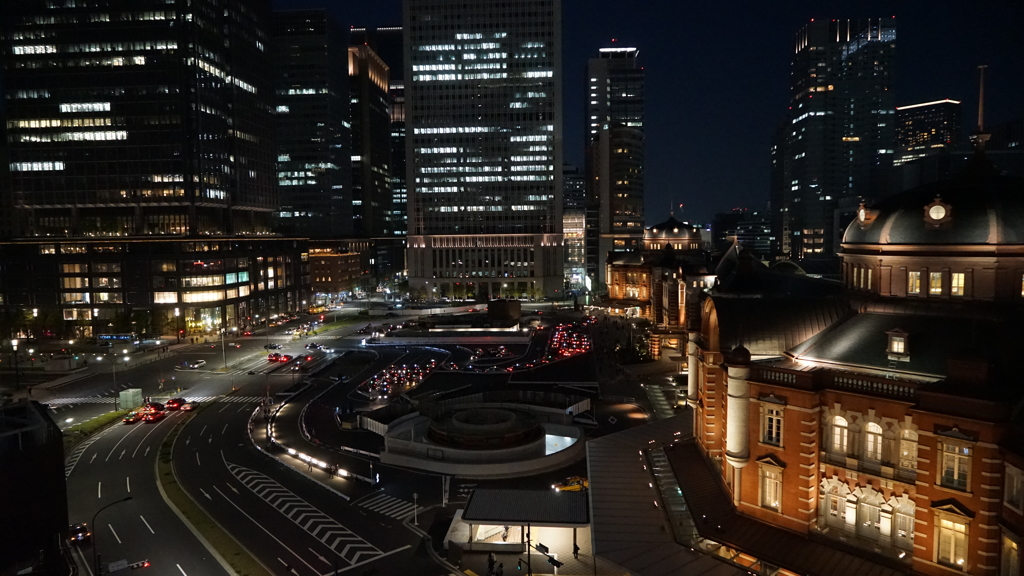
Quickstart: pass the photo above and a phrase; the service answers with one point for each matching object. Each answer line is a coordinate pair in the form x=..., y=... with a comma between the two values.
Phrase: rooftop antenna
x=980, y=137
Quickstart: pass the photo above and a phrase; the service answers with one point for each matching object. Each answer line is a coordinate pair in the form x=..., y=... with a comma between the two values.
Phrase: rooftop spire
x=980, y=137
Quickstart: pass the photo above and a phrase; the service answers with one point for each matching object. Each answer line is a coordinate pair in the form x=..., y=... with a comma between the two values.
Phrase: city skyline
x=700, y=132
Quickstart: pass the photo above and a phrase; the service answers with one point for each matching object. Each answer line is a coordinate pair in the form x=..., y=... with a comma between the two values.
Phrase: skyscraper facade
x=371, y=142
x=926, y=129
x=313, y=129
x=139, y=120
x=484, y=147
x=574, y=204
x=615, y=152
x=840, y=136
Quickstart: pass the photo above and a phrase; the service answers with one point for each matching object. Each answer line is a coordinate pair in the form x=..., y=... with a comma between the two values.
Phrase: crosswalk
x=345, y=543
x=70, y=401
x=389, y=506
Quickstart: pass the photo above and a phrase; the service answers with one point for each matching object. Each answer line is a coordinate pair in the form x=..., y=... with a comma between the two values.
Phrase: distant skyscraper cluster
x=836, y=143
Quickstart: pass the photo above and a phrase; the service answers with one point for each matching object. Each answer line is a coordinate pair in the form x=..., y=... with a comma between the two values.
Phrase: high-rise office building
x=141, y=161
x=574, y=205
x=615, y=152
x=388, y=43
x=313, y=129
x=132, y=119
x=484, y=147
x=840, y=136
x=371, y=142
x=926, y=129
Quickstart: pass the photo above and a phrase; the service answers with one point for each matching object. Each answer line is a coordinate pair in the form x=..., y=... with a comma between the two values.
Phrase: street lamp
x=177, y=331
x=95, y=533
x=17, y=382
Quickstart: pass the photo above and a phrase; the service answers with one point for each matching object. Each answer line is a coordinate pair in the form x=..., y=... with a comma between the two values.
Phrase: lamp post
x=177, y=330
x=95, y=533
x=415, y=518
x=223, y=350
x=17, y=382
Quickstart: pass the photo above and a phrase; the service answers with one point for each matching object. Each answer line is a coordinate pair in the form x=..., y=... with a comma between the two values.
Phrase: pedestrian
x=576, y=551
x=29, y=391
x=491, y=559
x=501, y=570
x=310, y=466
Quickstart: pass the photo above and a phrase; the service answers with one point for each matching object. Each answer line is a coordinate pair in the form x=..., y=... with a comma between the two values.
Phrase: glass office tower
x=484, y=121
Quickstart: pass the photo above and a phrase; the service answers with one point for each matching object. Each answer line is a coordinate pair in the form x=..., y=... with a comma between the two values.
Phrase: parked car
x=132, y=418
x=79, y=533
x=175, y=403
x=197, y=364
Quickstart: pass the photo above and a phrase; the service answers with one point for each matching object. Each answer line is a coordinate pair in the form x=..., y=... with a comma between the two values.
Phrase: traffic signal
x=520, y=567
x=139, y=564
x=321, y=317
x=554, y=562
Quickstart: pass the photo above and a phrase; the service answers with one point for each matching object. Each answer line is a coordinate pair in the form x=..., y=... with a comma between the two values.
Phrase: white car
x=197, y=364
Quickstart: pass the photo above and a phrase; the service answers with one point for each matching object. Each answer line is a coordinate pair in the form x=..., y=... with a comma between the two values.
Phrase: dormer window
x=937, y=213
x=898, y=348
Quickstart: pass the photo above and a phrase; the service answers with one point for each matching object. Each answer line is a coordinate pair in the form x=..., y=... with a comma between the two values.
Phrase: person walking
x=491, y=559
x=29, y=388
x=501, y=570
x=576, y=551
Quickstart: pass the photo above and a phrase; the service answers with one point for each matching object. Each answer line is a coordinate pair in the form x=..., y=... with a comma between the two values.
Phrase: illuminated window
x=873, y=441
x=1010, y=565
x=771, y=487
x=935, y=283
x=772, y=425
x=897, y=344
x=952, y=543
x=956, y=466
x=1013, y=492
x=956, y=285
x=840, y=435
x=913, y=282
x=908, y=450
x=165, y=298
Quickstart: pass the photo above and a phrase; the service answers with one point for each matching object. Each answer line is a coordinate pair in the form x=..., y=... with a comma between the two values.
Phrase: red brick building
x=881, y=414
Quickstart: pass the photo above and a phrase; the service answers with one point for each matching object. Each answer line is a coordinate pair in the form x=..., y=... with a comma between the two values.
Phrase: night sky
x=718, y=77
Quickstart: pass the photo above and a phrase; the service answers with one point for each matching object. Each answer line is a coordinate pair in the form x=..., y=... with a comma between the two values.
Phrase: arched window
x=873, y=441
x=840, y=435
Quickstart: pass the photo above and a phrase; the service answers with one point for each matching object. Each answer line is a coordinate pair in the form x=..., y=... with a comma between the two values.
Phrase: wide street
x=293, y=518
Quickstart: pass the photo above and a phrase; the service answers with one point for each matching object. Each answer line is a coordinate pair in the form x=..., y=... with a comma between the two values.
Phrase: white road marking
x=144, y=438
x=315, y=571
x=203, y=430
x=99, y=490
x=282, y=562
x=205, y=494
x=187, y=440
x=319, y=556
x=123, y=450
x=210, y=441
x=240, y=409
x=224, y=428
x=118, y=443
x=147, y=525
x=144, y=453
x=115, y=533
x=182, y=571
x=128, y=483
x=93, y=457
x=224, y=408
x=233, y=489
x=197, y=458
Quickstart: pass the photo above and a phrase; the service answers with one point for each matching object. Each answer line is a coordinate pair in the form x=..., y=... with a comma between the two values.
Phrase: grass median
x=240, y=560
x=79, y=432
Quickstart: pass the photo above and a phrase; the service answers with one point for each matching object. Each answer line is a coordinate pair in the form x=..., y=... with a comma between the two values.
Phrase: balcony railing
x=879, y=469
x=901, y=389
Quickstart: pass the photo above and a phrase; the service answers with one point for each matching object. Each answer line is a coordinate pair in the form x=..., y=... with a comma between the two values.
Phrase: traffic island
x=228, y=551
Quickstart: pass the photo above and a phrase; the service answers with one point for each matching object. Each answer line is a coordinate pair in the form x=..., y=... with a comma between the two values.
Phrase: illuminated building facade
x=81, y=288
x=145, y=118
x=313, y=130
x=838, y=138
x=615, y=153
x=371, y=142
x=926, y=129
x=574, y=223
x=877, y=412
x=333, y=271
x=484, y=121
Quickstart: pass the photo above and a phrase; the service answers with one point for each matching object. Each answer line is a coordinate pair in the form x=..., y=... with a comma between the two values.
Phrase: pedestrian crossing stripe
x=72, y=460
x=390, y=506
x=342, y=541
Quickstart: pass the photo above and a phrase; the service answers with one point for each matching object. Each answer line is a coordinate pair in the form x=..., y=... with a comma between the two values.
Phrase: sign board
x=542, y=548
x=119, y=565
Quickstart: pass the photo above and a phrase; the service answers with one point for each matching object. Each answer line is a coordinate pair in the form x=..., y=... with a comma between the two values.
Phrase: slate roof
x=984, y=208
x=771, y=326
x=627, y=529
x=861, y=341
x=717, y=520
x=506, y=507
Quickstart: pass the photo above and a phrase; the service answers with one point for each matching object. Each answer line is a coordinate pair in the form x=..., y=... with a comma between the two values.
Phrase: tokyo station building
x=880, y=416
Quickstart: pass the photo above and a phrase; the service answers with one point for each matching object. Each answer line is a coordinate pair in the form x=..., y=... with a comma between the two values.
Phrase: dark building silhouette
x=314, y=136
x=839, y=139
x=131, y=120
x=371, y=142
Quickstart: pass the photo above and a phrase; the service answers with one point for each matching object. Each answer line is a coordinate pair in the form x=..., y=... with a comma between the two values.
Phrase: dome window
x=898, y=348
x=937, y=213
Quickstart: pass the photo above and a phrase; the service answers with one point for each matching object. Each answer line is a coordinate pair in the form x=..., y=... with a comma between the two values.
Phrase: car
x=273, y=346
x=197, y=364
x=175, y=403
x=233, y=345
x=79, y=533
x=571, y=484
x=190, y=406
x=339, y=378
x=312, y=345
x=285, y=358
x=132, y=418
x=154, y=416
x=247, y=333
x=152, y=407
x=273, y=357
